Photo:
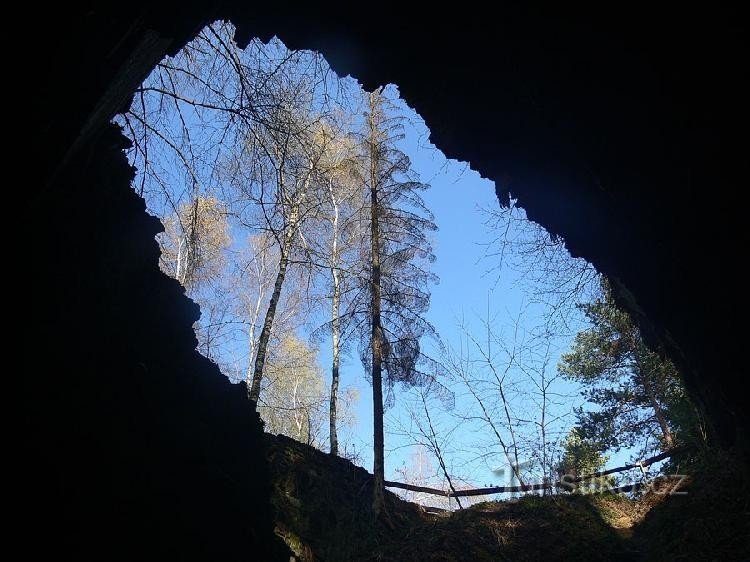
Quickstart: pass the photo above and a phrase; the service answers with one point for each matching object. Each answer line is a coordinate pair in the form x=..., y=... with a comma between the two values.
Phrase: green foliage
x=581, y=454
x=582, y=457
x=640, y=399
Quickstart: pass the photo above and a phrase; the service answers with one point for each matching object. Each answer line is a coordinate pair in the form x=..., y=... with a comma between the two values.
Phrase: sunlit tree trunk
x=261, y=271
x=335, y=363
x=265, y=335
x=251, y=336
x=658, y=411
x=286, y=248
x=639, y=350
x=179, y=267
x=335, y=324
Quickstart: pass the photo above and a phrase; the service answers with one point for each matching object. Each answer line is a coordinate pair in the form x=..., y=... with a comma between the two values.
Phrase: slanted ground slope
x=323, y=512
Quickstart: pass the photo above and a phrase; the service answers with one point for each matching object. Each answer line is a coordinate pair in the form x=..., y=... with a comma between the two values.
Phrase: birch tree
x=194, y=241
x=294, y=400
x=256, y=273
x=273, y=178
x=333, y=239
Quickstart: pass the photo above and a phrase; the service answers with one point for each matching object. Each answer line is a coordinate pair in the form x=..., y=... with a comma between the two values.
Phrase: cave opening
x=255, y=162
x=117, y=411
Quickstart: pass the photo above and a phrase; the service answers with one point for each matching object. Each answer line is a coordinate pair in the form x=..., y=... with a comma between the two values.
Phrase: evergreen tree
x=637, y=391
x=396, y=280
x=582, y=457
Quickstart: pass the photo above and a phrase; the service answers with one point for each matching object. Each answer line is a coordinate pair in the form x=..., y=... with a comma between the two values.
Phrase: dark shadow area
x=624, y=134
x=708, y=520
x=323, y=507
x=137, y=445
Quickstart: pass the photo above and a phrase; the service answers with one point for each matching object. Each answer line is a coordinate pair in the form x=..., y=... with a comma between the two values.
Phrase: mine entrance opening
x=263, y=164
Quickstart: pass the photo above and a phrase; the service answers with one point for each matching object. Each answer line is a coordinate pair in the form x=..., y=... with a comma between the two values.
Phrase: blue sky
x=471, y=289
x=467, y=293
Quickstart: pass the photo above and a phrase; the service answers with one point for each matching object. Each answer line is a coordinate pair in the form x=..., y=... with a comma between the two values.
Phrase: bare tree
x=427, y=429
x=341, y=177
x=194, y=241
x=219, y=122
x=271, y=178
x=254, y=275
x=489, y=392
x=250, y=131
x=512, y=400
x=419, y=472
x=294, y=399
x=333, y=238
x=550, y=406
x=257, y=273
x=549, y=274
x=421, y=424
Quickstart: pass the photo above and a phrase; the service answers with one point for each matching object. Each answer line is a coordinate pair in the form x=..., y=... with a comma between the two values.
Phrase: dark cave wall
x=134, y=446
x=623, y=132
x=622, y=135
x=137, y=446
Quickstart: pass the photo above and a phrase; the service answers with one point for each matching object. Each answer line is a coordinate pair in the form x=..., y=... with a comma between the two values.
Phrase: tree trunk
x=335, y=329
x=658, y=412
x=298, y=422
x=639, y=350
x=289, y=233
x=265, y=334
x=438, y=453
x=178, y=268
x=378, y=469
x=253, y=322
x=335, y=326
x=251, y=339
